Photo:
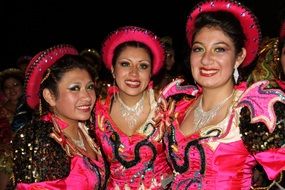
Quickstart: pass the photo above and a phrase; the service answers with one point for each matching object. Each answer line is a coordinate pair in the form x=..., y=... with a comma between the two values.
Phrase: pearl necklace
x=131, y=114
x=201, y=118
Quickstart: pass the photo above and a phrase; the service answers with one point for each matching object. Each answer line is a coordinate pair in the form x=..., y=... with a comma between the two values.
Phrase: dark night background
x=31, y=26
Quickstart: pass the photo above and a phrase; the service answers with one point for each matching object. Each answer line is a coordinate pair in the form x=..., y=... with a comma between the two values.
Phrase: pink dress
x=137, y=161
x=49, y=165
x=81, y=176
x=222, y=156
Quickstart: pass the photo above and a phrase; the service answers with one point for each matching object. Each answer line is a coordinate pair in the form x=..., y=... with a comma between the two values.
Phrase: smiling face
x=132, y=71
x=12, y=88
x=76, y=96
x=213, y=58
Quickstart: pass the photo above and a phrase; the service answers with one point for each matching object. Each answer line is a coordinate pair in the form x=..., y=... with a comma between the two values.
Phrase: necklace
x=79, y=142
x=131, y=114
x=201, y=118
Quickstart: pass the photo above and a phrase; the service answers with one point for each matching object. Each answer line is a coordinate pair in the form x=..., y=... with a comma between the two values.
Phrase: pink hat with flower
x=38, y=66
x=247, y=19
x=133, y=33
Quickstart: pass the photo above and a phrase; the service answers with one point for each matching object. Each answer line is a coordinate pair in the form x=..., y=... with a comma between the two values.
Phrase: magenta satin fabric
x=80, y=178
x=228, y=166
x=136, y=176
x=272, y=161
x=83, y=172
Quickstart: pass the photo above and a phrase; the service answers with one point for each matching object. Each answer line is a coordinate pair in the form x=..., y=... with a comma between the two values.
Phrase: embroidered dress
x=43, y=163
x=222, y=156
x=137, y=161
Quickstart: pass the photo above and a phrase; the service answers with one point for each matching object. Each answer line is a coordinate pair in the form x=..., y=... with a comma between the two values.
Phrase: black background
x=31, y=26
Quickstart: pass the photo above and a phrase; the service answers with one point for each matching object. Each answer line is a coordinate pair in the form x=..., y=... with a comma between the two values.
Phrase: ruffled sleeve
x=267, y=148
x=38, y=157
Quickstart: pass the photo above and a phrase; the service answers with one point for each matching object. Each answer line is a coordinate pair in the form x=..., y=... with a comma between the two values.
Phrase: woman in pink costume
x=11, y=84
x=216, y=135
x=125, y=125
x=55, y=150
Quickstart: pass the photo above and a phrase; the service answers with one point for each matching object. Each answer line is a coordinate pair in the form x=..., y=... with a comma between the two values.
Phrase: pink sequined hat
x=38, y=66
x=133, y=33
x=247, y=19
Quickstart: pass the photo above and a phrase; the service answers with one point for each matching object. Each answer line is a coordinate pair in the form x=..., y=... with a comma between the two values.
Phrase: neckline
x=108, y=104
x=190, y=107
x=202, y=118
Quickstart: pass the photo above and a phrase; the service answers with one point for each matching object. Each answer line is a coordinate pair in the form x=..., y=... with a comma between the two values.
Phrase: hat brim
x=132, y=33
x=38, y=66
x=247, y=19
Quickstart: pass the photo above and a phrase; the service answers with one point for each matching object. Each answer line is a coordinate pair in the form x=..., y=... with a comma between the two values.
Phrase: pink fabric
x=80, y=177
x=175, y=88
x=83, y=173
x=49, y=116
x=273, y=161
x=261, y=111
x=227, y=166
x=137, y=175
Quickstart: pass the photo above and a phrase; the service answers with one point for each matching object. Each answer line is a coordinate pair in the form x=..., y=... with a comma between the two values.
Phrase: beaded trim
x=251, y=30
x=37, y=67
x=133, y=33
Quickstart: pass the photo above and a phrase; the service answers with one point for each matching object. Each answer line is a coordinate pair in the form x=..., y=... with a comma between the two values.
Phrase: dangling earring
x=236, y=75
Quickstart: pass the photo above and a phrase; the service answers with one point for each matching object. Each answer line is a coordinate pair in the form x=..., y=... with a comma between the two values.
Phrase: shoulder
x=257, y=136
x=261, y=117
x=34, y=151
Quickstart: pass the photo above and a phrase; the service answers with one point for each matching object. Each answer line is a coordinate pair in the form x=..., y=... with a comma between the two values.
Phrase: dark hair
x=93, y=56
x=123, y=46
x=227, y=22
x=56, y=72
x=11, y=73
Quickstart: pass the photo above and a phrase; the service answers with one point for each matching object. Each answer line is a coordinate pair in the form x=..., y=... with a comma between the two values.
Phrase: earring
x=236, y=75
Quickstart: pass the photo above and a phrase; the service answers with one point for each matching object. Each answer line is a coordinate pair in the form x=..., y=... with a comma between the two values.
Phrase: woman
x=125, y=126
x=215, y=139
x=269, y=67
x=55, y=150
x=11, y=83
